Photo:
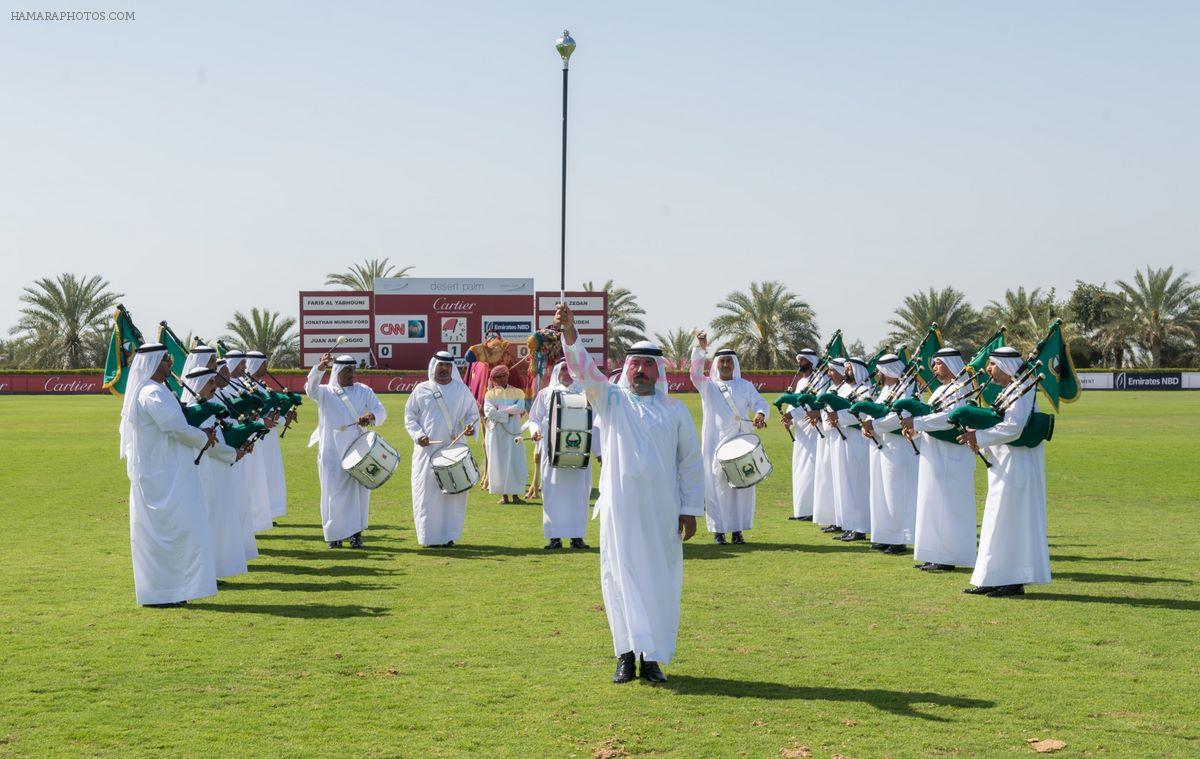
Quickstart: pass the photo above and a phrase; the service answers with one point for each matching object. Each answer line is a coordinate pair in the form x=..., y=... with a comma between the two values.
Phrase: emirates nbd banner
x=1147, y=380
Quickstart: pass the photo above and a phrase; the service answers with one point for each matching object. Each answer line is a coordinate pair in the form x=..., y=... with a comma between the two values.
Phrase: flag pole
x=565, y=46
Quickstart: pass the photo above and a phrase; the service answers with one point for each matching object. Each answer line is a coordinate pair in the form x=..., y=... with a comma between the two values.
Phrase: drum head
x=449, y=456
x=737, y=447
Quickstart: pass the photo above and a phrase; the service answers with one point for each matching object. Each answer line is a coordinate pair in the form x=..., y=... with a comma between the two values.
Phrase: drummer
x=732, y=407
x=344, y=409
x=440, y=411
x=565, y=491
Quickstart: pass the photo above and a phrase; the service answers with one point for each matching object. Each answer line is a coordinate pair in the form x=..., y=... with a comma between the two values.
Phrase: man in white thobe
x=168, y=523
x=254, y=469
x=269, y=447
x=1013, y=551
x=893, y=466
x=804, y=440
x=218, y=480
x=651, y=491
x=504, y=412
x=565, y=491
x=439, y=410
x=945, y=533
x=248, y=485
x=344, y=409
x=731, y=406
x=849, y=458
x=824, y=506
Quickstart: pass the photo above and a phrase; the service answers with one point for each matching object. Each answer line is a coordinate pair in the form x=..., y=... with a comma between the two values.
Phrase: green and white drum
x=570, y=439
x=743, y=460
x=370, y=460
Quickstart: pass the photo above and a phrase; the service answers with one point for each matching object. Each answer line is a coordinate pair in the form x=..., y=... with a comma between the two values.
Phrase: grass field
x=793, y=643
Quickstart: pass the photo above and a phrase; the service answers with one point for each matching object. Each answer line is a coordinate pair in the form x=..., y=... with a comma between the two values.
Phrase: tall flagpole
x=565, y=46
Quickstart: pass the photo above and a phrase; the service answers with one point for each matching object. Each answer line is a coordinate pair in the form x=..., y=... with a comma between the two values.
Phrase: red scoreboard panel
x=591, y=318
x=324, y=316
x=417, y=316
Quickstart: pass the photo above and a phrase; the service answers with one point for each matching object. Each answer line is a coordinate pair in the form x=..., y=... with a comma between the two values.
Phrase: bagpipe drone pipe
x=1038, y=429
x=237, y=428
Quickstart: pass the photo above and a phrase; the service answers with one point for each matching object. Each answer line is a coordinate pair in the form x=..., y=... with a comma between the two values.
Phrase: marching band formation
x=869, y=458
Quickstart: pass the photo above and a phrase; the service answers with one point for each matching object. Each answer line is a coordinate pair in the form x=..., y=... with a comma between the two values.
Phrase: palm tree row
x=1152, y=320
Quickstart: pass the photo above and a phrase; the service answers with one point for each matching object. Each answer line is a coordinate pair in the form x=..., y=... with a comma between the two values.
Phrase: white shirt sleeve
x=689, y=466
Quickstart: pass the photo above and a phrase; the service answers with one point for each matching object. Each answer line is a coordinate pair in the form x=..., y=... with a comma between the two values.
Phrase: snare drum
x=744, y=461
x=455, y=470
x=570, y=439
x=370, y=460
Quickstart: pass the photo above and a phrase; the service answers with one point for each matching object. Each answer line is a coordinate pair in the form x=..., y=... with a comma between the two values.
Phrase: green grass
x=498, y=649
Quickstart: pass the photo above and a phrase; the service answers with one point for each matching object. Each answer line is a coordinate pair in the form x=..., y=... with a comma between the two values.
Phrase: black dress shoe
x=738, y=539
x=894, y=549
x=553, y=544
x=448, y=544
x=335, y=544
x=578, y=543
x=982, y=590
x=174, y=605
x=795, y=519
x=832, y=528
x=932, y=567
x=274, y=523
x=356, y=540
x=652, y=672
x=878, y=546
x=626, y=668
x=719, y=538
x=1007, y=590
x=806, y=519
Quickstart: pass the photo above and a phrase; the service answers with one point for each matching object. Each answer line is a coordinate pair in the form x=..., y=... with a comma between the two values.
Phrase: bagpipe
x=1038, y=429
x=806, y=393
x=237, y=429
x=833, y=402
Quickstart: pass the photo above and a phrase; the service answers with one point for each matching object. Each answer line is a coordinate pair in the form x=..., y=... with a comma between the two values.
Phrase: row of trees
x=1152, y=320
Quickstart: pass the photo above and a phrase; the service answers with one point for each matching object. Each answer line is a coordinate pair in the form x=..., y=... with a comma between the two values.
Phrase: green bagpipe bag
x=1039, y=428
x=917, y=407
x=835, y=402
x=236, y=435
x=791, y=399
x=199, y=413
x=870, y=408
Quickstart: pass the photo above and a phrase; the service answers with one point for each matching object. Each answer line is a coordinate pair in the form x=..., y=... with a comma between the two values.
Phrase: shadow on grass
x=1133, y=579
x=1148, y=603
x=304, y=586
x=321, y=551
x=296, y=611
x=710, y=550
x=899, y=702
x=1065, y=557
x=341, y=570
x=476, y=551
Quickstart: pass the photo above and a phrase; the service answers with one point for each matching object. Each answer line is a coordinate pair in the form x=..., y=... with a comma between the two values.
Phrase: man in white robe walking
x=565, y=491
x=344, y=409
x=804, y=440
x=893, y=467
x=1013, y=550
x=168, y=523
x=945, y=533
x=439, y=410
x=651, y=491
x=731, y=407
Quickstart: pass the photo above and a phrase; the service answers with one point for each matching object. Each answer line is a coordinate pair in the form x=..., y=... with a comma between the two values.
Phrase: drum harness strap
x=445, y=412
x=727, y=394
x=340, y=392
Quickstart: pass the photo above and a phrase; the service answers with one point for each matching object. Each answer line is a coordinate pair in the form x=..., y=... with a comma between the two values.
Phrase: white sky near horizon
x=857, y=152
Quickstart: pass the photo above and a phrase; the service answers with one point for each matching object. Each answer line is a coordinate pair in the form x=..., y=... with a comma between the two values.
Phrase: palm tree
x=766, y=326
x=625, y=326
x=362, y=276
x=1025, y=314
x=961, y=324
x=1160, y=308
x=266, y=331
x=677, y=348
x=60, y=321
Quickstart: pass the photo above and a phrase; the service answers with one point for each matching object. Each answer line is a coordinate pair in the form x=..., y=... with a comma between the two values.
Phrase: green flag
x=122, y=345
x=923, y=355
x=977, y=364
x=835, y=348
x=1059, y=380
x=178, y=352
x=222, y=349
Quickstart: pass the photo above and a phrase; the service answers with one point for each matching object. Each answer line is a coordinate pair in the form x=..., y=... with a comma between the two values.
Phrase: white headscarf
x=646, y=348
x=196, y=379
x=856, y=368
x=810, y=355
x=890, y=366
x=556, y=379
x=442, y=357
x=144, y=364
x=233, y=359
x=714, y=375
x=254, y=362
x=952, y=358
x=1008, y=359
x=200, y=356
x=340, y=364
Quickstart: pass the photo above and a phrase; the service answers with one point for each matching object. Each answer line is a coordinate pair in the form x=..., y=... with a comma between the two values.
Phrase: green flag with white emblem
x=123, y=343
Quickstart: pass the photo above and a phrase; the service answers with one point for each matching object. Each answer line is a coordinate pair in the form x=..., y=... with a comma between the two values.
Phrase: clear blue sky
x=856, y=151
